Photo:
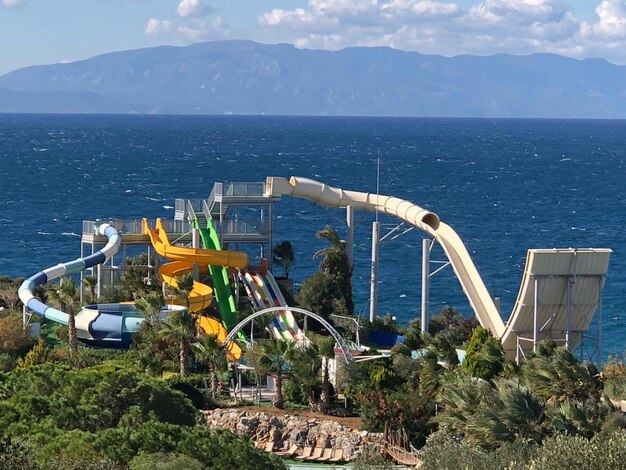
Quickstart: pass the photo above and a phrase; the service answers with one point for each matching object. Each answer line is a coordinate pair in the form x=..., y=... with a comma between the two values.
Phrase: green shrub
x=485, y=356
x=162, y=461
x=561, y=452
x=614, y=378
x=193, y=388
x=373, y=461
x=15, y=455
x=293, y=392
x=7, y=362
x=443, y=452
x=567, y=452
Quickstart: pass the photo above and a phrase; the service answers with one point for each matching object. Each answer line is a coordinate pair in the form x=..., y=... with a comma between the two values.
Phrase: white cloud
x=192, y=8
x=186, y=31
x=158, y=27
x=445, y=27
x=11, y=3
x=194, y=21
x=216, y=28
x=610, y=23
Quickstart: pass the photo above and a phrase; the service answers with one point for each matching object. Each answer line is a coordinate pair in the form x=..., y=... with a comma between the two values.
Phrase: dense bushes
x=561, y=452
x=104, y=416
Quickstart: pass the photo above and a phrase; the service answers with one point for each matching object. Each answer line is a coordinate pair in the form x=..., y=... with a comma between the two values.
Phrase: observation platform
x=242, y=212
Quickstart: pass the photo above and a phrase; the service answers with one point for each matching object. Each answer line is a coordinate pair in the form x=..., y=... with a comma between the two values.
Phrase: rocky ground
x=301, y=428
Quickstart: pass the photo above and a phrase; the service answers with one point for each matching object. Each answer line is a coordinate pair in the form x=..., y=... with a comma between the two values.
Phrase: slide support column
x=568, y=313
x=536, y=316
x=99, y=280
x=374, y=272
x=350, y=235
x=600, y=280
x=426, y=246
x=195, y=238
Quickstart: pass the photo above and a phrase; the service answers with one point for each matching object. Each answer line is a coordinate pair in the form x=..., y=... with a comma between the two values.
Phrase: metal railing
x=206, y=209
x=244, y=189
x=233, y=227
x=179, y=209
x=135, y=226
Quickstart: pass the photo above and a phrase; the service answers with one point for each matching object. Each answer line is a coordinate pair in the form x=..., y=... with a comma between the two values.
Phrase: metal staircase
x=242, y=213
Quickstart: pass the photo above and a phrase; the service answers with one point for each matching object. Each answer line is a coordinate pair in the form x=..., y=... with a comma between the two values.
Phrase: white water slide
x=560, y=289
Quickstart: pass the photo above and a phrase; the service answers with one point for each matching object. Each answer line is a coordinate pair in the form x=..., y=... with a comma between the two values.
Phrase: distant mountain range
x=244, y=77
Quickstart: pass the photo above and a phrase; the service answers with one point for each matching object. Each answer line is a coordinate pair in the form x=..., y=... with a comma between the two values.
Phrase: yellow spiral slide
x=183, y=260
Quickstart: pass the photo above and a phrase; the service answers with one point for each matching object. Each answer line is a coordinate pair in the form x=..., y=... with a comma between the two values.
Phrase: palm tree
x=334, y=261
x=91, y=282
x=151, y=305
x=555, y=375
x=208, y=351
x=184, y=288
x=442, y=344
x=489, y=416
x=283, y=256
x=305, y=362
x=328, y=254
x=274, y=361
x=64, y=296
x=254, y=356
x=180, y=327
x=326, y=346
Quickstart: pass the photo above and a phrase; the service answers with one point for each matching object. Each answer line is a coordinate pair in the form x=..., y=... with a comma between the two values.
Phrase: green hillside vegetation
x=66, y=408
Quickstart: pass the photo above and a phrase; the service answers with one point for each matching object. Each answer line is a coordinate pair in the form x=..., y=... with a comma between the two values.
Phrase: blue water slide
x=27, y=288
x=98, y=325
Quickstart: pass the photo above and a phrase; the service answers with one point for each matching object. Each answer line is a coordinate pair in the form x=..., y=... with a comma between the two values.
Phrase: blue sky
x=48, y=31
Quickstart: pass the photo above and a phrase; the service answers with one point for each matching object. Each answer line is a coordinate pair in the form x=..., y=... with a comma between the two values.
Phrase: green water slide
x=219, y=274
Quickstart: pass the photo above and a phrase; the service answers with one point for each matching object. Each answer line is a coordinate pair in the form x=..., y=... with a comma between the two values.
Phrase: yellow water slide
x=183, y=262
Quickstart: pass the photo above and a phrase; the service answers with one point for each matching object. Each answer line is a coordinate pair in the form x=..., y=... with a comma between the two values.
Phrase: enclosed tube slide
x=25, y=291
x=465, y=270
x=585, y=269
x=98, y=325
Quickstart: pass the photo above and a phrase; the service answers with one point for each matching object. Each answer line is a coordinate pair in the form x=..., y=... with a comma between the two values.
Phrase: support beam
x=568, y=313
x=374, y=272
x=195, y=238
x=350, y=234
x=426, y=247
x=536, y=316
x=82, y=275
x=600, y=281
x=99, y=281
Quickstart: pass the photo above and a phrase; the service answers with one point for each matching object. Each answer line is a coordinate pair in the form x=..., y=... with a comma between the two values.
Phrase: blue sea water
x=503, y=185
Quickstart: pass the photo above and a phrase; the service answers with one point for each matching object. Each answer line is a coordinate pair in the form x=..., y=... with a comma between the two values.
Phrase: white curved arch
x=337, y=337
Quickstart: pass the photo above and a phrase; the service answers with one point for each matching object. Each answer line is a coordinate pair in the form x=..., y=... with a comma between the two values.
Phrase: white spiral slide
x=585, y=269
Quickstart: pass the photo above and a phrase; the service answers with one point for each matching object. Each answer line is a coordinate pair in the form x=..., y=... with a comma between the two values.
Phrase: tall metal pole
x=600, y=322
x=82, y=273
x=375, y=240
x=568, y=313
x=99, y=281
x=536, y=316
x=426, y=245
x=271, y=236
x=350, y=234
x=374, y=273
